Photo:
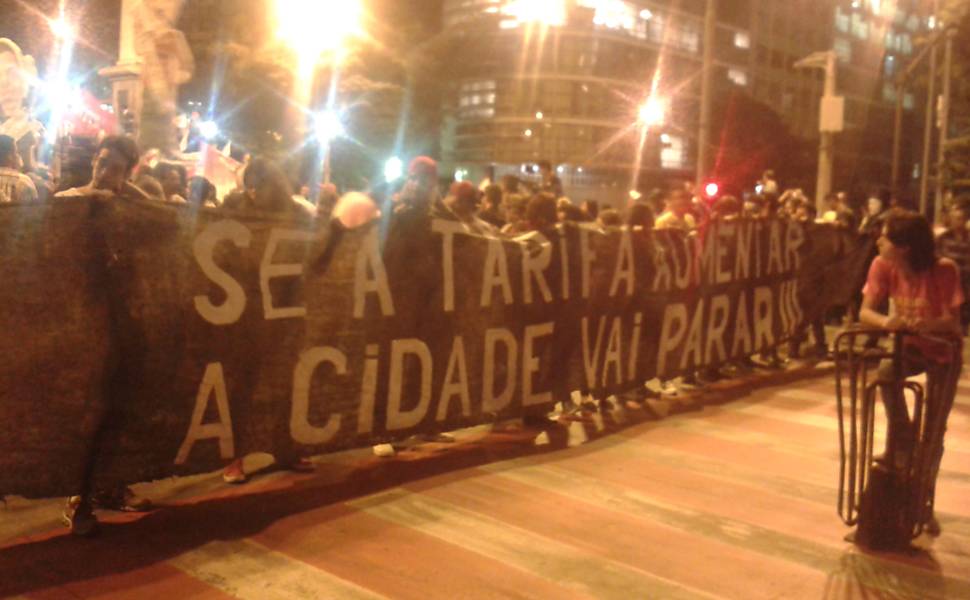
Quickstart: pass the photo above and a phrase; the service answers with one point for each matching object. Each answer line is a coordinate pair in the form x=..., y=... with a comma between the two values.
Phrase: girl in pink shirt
x=926, y=296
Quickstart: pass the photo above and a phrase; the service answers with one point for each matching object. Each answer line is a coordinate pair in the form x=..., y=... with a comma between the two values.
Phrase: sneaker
x=81, y=521
x=121, y=499
x=234, y=474
x=384, y=450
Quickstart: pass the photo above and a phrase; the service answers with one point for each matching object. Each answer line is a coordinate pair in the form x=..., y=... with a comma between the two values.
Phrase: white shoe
x=384, y=450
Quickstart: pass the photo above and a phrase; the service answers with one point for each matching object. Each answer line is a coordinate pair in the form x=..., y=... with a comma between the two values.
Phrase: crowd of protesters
x=510, y=206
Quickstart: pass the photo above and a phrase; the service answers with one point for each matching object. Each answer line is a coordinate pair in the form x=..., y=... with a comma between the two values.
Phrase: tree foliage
x=749, y=137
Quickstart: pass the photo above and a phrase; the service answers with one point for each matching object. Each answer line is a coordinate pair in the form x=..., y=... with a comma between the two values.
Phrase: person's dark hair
x=907, y=229
x=8, y=147
x=125, y=146
x=611, y=218
x=151, y=186
x=201, y=190
x=726, y=206
x=493, y=195
x=592, y=208
x=655, y=198
x=267, y=177
x=641, y=214
x=573, y=213
x=164, y=168
x=541, y=211
x=511, y=184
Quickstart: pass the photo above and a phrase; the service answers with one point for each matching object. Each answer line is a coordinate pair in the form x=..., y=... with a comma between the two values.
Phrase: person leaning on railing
x=926, y=294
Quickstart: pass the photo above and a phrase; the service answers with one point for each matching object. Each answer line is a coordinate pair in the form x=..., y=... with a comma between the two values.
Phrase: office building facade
x=575, y=81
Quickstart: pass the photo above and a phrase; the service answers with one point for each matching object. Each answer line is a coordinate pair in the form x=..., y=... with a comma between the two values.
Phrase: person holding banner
x=111, y=170
x=926, y=295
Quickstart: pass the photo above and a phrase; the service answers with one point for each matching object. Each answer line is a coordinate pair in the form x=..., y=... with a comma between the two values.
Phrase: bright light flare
x=209, y=129
x=393, y=169
x=313, y=28
x=61, y=29
x=551, y=13
x=653, y=112
x=329, y=126
x=711, y=189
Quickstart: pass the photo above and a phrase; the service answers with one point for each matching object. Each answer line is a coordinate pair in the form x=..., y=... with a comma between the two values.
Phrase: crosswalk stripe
x=540, y=555
x=247, y=570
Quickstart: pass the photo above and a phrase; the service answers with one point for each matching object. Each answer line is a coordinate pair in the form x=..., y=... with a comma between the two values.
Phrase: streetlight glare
x=652, y=112
x=393, y=169
x=328, y=126
x=209, y=129
x=61, y=28
x=316, y=27
x=551, y=13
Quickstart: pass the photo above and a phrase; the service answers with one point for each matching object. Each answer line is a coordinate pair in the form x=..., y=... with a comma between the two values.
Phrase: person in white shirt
x=14, y=185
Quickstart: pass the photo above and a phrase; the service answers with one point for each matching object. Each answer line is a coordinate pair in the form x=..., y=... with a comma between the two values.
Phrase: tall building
x=573, y=81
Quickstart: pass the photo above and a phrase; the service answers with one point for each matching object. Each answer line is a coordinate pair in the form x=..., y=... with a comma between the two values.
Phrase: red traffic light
x=711, y=189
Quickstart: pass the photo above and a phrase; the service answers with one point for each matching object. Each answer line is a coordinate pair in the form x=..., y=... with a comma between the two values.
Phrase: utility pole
x=944, y=122
x=707, y=81
x=826, y=147
x=831, y=121
x=924, y=184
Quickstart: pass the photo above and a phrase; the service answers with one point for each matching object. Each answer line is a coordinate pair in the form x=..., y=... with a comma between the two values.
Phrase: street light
x=393, y=169
x=328, y=128
x=209, y=130
x=652, y=113
x=59, y=87
x=313, y=28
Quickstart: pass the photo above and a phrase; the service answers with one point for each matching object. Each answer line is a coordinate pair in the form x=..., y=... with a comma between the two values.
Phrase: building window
x=890, y=67
x=889, y=92
x=476, y=99
x=612, y=14
x=860, y=27
x=742, y=39
x=843, y=49
x=738, y=76
x=841, y=20
x=673, y=155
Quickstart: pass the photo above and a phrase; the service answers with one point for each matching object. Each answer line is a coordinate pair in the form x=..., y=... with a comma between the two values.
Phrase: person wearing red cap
x=420, y=191
x=462, y=202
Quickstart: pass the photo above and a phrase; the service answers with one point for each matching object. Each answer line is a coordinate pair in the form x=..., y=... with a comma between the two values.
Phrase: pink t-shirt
x=932, y=294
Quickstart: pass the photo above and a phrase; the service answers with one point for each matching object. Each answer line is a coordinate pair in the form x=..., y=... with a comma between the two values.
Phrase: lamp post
x=831, y=121
x=314, y=30
x=707, y=79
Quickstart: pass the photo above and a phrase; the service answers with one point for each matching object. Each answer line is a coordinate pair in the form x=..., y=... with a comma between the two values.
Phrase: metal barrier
x=890, y=497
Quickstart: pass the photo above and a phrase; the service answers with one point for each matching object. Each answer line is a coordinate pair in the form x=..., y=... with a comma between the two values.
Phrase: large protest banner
x=160, y=340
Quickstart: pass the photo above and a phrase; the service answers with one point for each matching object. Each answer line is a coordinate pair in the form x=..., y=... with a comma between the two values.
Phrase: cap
x=423, y=166
x=464, y=191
